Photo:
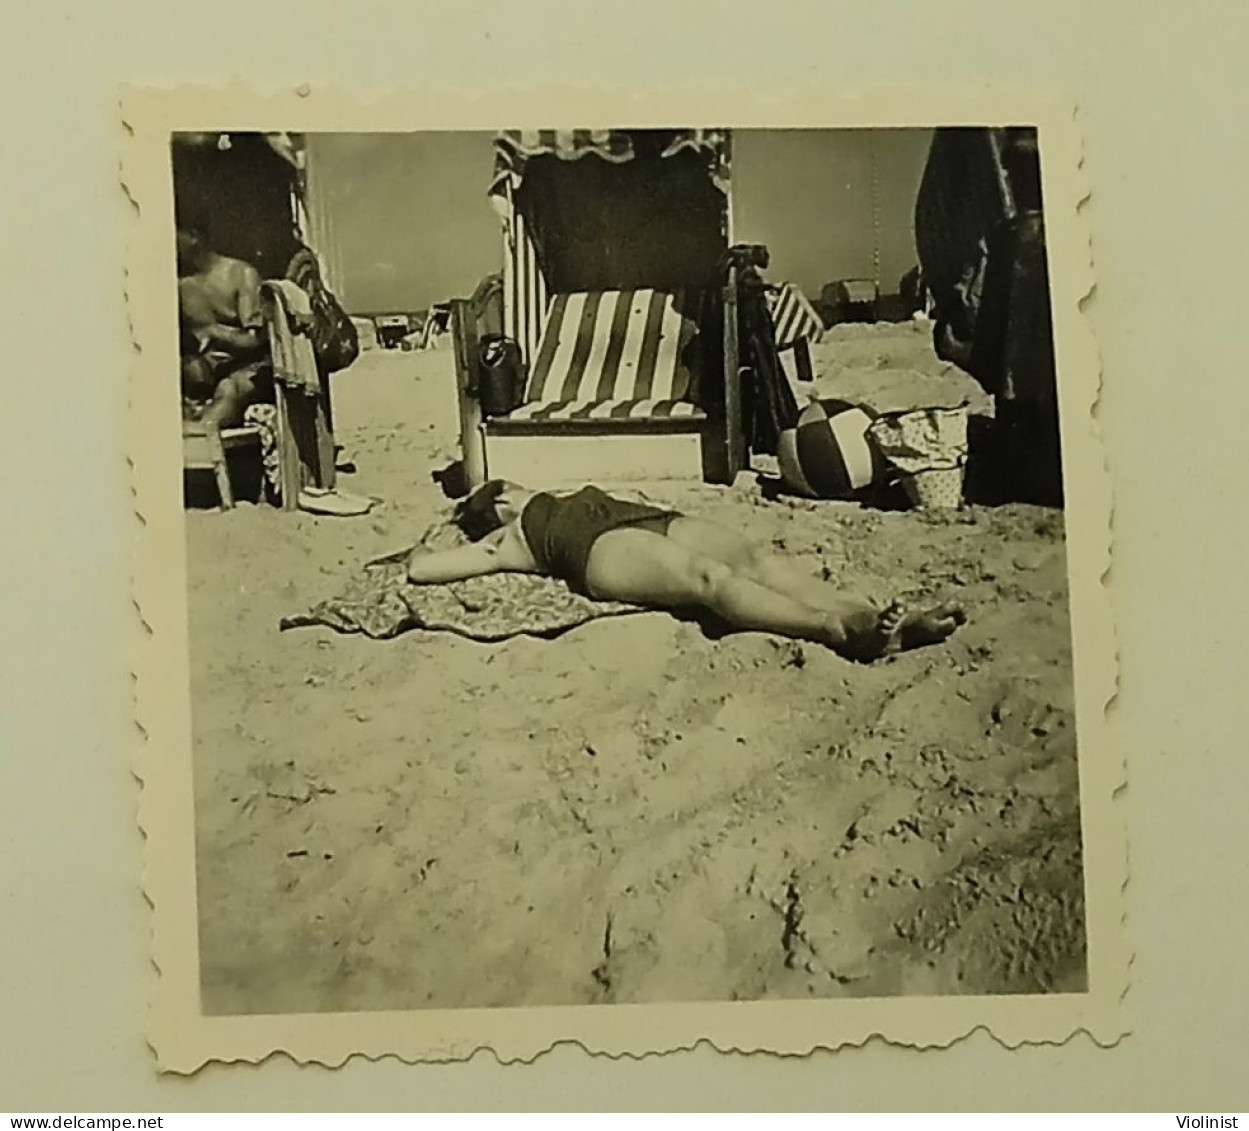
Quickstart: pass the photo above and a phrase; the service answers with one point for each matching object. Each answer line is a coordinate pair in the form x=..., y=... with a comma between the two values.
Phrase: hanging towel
x=294, y=360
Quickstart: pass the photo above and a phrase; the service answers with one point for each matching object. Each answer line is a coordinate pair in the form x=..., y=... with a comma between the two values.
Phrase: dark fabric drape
x=650, y=222
x=980, y=231
x=768, y=402
x=980, y=235
x=239, y=199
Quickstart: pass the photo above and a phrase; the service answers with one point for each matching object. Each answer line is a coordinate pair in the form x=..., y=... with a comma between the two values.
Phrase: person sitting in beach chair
x=225, y=350
x=612, y=549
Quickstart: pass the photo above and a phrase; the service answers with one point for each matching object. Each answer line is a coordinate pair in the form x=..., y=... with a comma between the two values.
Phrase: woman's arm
x=493, y=554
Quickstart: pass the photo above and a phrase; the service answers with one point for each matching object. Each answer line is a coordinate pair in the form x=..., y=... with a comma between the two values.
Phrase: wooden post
x=1006, y=196
x=735, y=440
x=290, y=469
x=327, y=459
x=204, y=450
x=472, y=439
x=326, y=472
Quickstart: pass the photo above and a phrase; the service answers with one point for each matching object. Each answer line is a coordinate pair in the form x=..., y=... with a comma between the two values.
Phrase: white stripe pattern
x=525, y=298
x=611, y=347
x=793, y=316
x=646, y=409
x=850, y=431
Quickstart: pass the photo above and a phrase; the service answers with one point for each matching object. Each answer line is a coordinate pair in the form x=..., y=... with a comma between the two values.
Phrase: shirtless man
x=224, y=348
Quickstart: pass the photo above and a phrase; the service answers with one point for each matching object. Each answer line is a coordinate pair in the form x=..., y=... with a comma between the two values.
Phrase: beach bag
x=503, y=378
x=334, y=338
x=928, y=447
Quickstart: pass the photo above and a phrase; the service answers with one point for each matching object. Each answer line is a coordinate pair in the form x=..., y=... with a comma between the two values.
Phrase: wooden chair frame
x=305, y=441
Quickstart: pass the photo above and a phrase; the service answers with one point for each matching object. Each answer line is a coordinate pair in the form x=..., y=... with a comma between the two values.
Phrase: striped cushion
x=645, y=409
x=793, y=316
x=611, y=355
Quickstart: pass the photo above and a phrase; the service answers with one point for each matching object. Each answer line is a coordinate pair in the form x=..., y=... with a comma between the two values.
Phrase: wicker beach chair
x=616, y=292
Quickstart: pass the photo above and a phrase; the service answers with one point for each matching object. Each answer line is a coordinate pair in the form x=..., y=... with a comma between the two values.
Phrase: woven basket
x=938, y=489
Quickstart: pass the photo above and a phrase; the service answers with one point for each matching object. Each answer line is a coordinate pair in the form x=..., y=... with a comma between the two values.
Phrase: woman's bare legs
x=760, y=563
x=644, y=568
x=757, y=561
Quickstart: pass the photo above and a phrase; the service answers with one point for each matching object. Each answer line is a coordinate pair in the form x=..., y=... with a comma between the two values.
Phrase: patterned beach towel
x=265, y=418
x=381, y=603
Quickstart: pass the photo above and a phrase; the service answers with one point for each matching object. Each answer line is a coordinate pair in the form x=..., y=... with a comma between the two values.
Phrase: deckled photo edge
x=182, y=1038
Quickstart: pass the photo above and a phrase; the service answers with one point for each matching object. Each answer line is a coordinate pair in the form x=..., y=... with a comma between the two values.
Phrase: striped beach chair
x=609, y=395
x=793, y=316
x=615, y=374
x=797, y=326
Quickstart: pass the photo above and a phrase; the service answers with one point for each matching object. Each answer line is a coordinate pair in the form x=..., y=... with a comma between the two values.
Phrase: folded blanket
x=381, y=603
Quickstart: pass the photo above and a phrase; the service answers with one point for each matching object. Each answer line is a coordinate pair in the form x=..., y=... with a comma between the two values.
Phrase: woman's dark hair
x=478, y=515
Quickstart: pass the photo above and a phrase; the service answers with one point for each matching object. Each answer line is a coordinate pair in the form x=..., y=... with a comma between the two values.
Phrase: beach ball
x=829, y=453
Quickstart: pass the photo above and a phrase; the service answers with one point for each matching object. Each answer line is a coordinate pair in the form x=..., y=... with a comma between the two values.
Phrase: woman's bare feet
x=868, y=635
x=932, y=626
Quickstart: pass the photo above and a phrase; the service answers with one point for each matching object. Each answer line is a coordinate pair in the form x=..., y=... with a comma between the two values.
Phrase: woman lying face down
x=613, y=549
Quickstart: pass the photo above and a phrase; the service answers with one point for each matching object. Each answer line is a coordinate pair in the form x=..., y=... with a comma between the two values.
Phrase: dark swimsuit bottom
x=561, y=531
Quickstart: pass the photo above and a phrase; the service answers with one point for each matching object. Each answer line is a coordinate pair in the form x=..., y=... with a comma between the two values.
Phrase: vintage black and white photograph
x=623, y=566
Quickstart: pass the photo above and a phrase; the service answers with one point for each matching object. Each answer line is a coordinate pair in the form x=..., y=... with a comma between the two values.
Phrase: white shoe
x=341, y=504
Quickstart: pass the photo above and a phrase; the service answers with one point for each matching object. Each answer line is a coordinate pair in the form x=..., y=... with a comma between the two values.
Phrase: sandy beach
x=637, y=810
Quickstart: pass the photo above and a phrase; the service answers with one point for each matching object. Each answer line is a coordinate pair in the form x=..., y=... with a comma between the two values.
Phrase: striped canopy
x=514, y=149
x=590, y=243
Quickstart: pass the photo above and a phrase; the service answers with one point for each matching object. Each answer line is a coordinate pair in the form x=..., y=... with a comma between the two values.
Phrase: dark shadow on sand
x=885, y=497
x=199, y=488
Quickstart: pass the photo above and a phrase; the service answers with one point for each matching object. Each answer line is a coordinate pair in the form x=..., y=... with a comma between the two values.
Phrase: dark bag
x=502, y=386
x=334, y=338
